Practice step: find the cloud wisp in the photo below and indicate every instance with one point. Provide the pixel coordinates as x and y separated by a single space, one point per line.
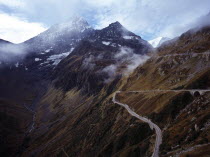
125 62
131 59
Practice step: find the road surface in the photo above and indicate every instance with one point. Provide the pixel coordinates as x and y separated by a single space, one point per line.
158 132
192 54
192 91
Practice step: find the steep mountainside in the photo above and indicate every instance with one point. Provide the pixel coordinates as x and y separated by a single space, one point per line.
81 84
171 88
76 86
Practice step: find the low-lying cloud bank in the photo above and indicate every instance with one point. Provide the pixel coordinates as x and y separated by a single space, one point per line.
134 60
177 29
11 52
125 57
202 21
126 61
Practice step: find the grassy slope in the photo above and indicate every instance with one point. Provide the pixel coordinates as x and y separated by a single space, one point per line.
175 72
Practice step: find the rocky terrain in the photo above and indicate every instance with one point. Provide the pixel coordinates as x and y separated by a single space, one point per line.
57 100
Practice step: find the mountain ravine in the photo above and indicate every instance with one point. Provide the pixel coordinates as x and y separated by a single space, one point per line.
58 94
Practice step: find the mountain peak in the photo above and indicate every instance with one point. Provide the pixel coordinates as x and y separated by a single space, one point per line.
66 33
75 23
77 20
116 25
117 30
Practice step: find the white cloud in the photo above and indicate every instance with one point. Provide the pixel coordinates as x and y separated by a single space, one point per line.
16 29
12 3
147 18
125 56
153 18
133 60
111 72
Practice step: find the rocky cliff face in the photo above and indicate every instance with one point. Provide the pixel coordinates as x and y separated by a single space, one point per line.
65 89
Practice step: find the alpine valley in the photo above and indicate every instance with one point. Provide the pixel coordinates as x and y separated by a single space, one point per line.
73 91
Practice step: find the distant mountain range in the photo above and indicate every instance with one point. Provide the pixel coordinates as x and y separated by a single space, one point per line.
48 48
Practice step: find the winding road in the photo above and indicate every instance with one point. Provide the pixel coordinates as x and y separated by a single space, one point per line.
192 91
152 125
191 54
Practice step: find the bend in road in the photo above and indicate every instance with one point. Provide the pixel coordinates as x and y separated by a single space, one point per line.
152 125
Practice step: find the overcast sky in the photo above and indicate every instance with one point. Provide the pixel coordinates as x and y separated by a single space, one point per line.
23 19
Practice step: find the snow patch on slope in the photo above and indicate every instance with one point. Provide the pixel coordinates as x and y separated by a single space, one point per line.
17 65
106 43
37 59
48 50
57 58
130 37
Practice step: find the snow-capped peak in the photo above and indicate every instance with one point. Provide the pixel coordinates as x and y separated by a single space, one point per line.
67 33
158 41
74 24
